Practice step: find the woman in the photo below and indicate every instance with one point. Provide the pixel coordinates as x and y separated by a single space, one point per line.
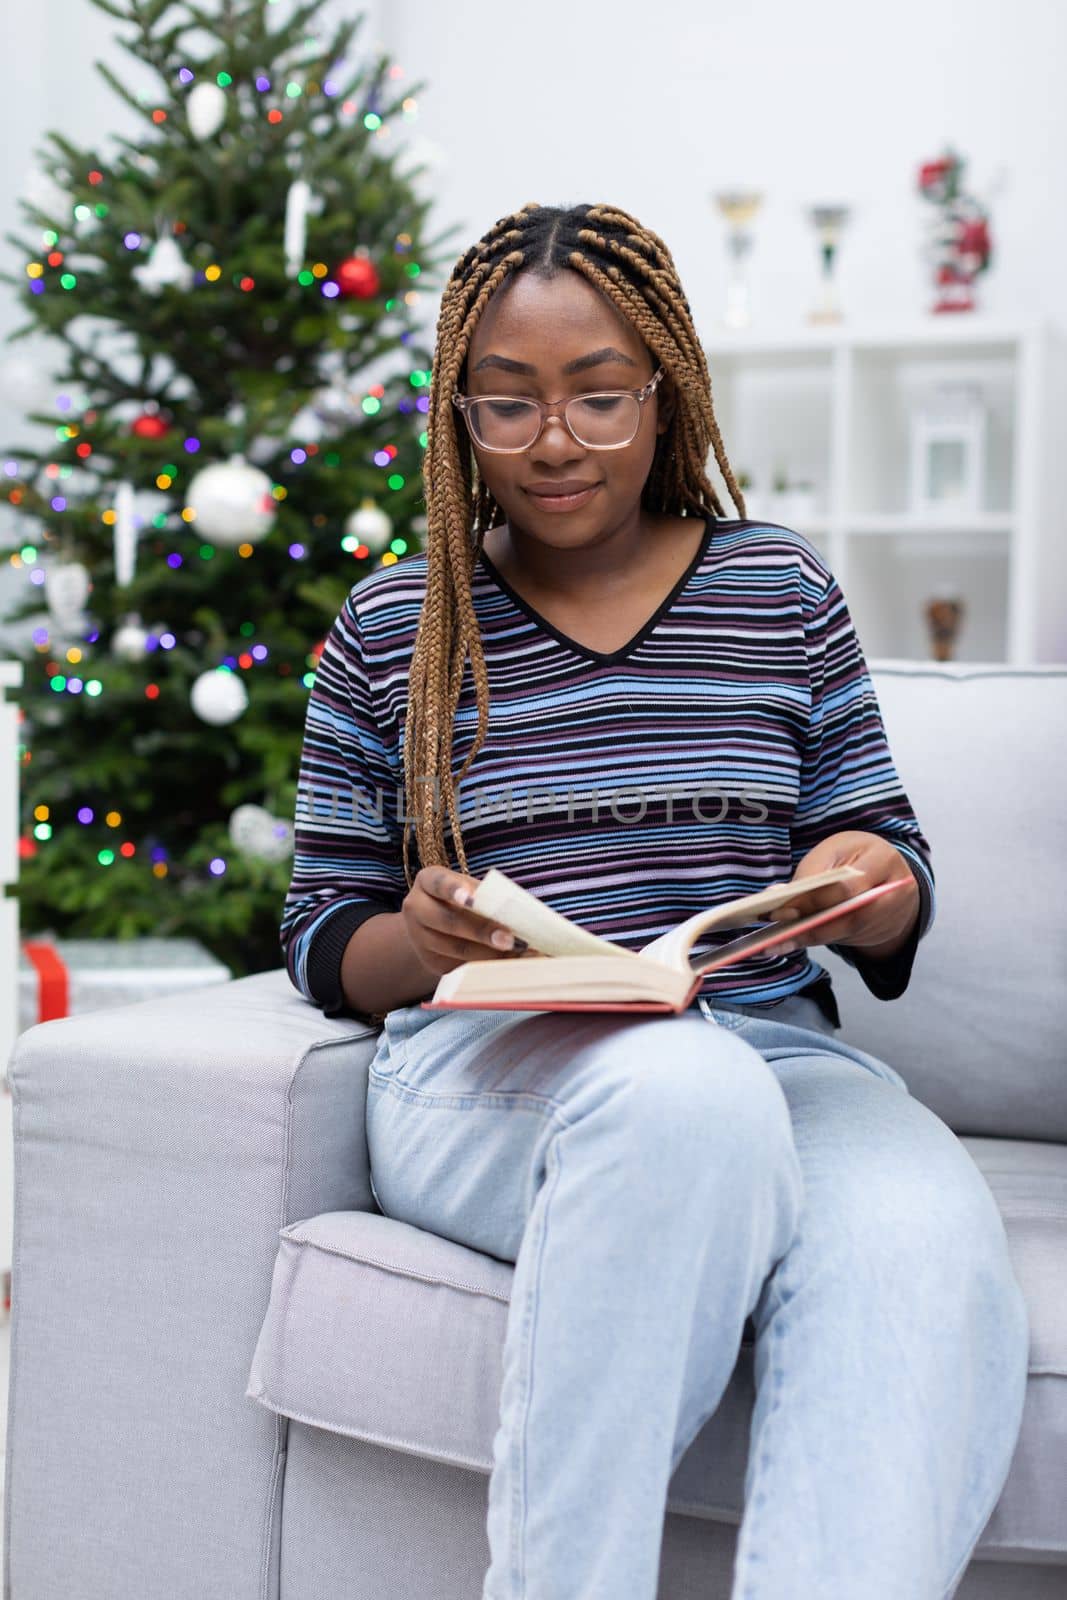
596 644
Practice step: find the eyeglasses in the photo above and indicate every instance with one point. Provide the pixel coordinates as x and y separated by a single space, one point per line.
608 420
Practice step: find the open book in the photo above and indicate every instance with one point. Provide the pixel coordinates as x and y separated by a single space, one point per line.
574 970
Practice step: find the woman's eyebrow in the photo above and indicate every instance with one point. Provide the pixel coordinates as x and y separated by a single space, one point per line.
594 359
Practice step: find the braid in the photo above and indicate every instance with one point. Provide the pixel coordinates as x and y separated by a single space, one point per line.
634 270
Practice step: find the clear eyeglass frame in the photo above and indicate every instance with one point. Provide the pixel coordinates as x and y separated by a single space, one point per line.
560 408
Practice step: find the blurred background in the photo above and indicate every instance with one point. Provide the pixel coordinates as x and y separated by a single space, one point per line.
654 110
221 255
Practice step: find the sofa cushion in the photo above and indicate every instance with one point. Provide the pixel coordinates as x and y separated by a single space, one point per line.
980 1034
378 1329
384 1332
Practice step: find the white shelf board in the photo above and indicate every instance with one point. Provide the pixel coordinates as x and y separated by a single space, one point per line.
907 522
963 329
965 669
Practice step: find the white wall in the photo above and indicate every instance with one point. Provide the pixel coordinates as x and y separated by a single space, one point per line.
654 106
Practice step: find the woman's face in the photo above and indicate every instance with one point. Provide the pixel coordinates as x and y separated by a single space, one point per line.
529 342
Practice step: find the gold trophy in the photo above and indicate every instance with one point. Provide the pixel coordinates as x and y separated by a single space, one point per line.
738 206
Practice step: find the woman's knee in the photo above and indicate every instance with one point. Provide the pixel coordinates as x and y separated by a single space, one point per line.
700 1098
931 1221
967 1245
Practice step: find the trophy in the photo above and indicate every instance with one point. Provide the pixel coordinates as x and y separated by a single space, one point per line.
738 207
828 222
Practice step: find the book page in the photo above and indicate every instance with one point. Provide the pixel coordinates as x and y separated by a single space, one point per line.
770 934
673 947
552 934
563 978
501 898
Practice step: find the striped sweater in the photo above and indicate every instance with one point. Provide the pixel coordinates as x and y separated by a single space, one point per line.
628 790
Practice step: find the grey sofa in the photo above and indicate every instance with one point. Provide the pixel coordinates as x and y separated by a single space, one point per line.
233 1378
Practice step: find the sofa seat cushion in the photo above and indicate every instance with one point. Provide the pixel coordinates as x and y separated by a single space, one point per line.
387 1333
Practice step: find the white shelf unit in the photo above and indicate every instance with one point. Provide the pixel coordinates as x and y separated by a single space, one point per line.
831 405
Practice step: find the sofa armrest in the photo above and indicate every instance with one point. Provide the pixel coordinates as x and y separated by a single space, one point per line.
159 1148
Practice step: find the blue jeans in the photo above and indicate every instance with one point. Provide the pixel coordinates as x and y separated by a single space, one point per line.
656 1181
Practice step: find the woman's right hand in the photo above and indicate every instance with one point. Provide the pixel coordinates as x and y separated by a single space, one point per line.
444 933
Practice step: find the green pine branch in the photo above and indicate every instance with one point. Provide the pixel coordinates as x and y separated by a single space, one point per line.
196 354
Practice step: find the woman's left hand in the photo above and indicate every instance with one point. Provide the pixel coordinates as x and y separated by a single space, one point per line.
881 928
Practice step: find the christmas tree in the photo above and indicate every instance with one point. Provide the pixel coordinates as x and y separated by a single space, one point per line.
240 394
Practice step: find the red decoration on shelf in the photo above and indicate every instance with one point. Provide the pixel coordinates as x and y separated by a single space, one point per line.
959 245
358 276
150 425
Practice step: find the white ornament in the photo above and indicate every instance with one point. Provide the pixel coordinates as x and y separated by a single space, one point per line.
233 502
125 535
165 268
257 834
206 110
130 642
296 210
339 403
370 526
218 696
66 588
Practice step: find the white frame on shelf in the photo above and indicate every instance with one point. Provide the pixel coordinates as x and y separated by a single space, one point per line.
1027 537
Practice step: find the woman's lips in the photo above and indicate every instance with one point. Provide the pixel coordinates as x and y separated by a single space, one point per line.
562 502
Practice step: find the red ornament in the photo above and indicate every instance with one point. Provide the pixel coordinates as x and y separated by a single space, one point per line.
358 276
932 174
150 425
973 240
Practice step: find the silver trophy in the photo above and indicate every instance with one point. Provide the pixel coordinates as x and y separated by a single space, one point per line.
829 222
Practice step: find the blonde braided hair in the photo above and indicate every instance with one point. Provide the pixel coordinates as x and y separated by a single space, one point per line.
633 269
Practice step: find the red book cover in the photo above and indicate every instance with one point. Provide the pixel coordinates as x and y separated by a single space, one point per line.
764 936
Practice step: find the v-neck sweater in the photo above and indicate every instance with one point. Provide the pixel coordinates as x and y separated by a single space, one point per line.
627 789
